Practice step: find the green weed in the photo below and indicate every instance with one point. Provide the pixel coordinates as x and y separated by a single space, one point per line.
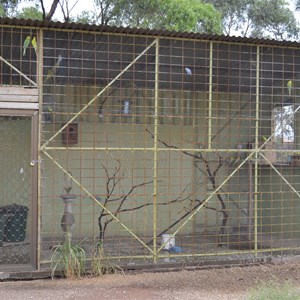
69 259
100 266
274 291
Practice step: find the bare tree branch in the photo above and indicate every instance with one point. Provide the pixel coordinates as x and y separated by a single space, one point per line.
52 10
43 9
212 178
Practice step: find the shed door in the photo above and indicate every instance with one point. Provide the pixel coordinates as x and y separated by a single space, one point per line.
18 188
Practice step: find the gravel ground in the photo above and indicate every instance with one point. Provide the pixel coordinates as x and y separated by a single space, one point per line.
224 283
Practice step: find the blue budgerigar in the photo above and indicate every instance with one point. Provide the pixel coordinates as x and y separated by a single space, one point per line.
175 249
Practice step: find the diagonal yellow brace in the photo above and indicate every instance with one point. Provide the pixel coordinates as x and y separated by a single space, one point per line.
253 151
283 178
18 71
96 201
209 197
99 94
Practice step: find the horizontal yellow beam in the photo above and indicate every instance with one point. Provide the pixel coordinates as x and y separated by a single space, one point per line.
228 253
193 150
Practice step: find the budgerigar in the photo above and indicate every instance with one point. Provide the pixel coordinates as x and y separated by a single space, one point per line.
188 71
264 139
26 44
175 249
289 87
52 72
34 44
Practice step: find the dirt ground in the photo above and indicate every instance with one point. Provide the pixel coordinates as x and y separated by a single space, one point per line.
222 283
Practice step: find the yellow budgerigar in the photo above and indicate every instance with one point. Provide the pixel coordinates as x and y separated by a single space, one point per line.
289 87
34 44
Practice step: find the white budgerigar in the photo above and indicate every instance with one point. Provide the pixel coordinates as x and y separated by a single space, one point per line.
188 71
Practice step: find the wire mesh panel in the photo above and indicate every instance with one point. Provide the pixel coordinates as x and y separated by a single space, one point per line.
97 107
163 149
15 216
18 57
167 150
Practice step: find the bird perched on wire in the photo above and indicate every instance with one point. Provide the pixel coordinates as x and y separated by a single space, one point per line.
188 71
52 72
34 43
289 87
264 139
26 44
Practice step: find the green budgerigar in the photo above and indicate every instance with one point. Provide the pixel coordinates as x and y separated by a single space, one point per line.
34 44
52 72
26 44
289 87
264 139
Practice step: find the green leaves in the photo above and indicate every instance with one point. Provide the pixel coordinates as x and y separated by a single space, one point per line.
190 15
68 258
178 15
30 12
258 18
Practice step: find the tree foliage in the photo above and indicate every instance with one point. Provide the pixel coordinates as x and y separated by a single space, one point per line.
189 15
7 7
257 18
36 9
30 12
179 15
249 18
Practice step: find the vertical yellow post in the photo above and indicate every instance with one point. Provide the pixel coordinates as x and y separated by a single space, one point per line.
256 147
210 94
40 95
155 146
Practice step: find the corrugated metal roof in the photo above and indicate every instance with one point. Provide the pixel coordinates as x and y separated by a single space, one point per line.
148 32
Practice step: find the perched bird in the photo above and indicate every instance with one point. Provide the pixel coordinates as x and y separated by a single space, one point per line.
188 71
239 155
289 87
34 43
52 72
26 44
59 60
175 249
264 139
49 108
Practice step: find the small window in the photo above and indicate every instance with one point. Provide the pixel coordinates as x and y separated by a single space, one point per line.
284 130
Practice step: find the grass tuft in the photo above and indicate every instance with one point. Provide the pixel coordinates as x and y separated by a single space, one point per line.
274 291
69 259
100 266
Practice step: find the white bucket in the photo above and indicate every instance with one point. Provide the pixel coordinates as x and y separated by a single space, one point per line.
169 240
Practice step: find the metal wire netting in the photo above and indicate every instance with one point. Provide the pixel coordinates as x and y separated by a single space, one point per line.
164 149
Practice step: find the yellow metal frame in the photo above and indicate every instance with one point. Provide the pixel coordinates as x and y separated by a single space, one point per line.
251 154
44 148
